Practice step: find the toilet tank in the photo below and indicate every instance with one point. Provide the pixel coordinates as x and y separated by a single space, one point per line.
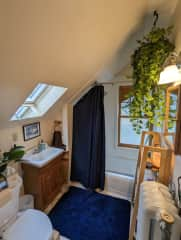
9 210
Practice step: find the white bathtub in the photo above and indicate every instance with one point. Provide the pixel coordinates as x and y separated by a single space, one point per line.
118 185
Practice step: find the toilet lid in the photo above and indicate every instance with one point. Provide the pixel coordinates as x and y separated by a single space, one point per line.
33 224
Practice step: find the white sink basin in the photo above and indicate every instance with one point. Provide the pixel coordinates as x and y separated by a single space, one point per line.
42 158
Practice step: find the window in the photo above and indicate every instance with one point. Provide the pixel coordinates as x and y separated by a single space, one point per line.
40 100
173 117
37 92
127 137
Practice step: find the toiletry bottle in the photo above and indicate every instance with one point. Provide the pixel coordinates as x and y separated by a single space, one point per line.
40 146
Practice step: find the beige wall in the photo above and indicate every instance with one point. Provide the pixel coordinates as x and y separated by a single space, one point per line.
58 42
177 27
11 132
14 135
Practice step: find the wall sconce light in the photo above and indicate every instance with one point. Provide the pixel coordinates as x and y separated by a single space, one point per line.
171 69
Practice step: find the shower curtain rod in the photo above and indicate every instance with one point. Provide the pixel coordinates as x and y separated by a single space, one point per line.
103 83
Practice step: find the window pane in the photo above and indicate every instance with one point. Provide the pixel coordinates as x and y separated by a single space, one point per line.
173 105
172 126
127 134
124 110
36 92
36 106
21 111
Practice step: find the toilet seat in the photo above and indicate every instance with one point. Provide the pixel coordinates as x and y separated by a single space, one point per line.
32 225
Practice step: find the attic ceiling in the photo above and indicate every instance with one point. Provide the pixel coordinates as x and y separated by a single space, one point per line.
66 42
119 64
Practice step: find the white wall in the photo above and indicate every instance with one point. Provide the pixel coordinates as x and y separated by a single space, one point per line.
118 159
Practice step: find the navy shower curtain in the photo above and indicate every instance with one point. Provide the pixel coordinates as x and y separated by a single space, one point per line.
88 150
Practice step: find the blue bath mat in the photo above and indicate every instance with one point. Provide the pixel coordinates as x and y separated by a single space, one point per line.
87 215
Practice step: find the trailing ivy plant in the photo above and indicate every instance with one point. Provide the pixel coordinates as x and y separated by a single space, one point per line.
147 99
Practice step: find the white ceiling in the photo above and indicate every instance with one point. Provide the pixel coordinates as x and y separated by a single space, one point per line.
66 43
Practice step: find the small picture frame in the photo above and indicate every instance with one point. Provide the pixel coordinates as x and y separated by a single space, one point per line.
31 131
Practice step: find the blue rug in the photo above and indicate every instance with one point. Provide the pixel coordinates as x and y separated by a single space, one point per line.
87 215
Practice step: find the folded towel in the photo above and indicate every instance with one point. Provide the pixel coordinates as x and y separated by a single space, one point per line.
5 197
57 140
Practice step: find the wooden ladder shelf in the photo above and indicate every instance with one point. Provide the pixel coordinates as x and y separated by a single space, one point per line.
164 156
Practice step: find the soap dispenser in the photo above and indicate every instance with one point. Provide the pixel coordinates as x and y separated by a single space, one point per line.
42 145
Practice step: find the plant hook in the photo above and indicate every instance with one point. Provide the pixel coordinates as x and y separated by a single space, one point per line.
156 16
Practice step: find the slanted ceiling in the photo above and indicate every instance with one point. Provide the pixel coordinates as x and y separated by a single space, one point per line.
61 42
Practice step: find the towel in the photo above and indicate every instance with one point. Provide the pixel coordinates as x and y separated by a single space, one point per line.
57 140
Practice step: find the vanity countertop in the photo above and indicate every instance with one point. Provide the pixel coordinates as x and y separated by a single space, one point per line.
42 158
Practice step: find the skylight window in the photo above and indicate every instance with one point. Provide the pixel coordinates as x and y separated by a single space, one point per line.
39 89
21 111
40 100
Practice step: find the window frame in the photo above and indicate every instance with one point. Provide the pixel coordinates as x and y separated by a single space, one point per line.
123 90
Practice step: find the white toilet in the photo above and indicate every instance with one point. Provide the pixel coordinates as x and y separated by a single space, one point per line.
29 225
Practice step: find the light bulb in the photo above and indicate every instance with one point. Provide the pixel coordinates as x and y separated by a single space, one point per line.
170 74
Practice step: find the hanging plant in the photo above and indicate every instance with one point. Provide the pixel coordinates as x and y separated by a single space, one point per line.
147 99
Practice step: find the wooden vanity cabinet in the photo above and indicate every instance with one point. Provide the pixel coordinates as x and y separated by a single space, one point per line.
46 183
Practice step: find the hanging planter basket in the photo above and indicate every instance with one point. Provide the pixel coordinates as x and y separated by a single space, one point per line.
147 99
